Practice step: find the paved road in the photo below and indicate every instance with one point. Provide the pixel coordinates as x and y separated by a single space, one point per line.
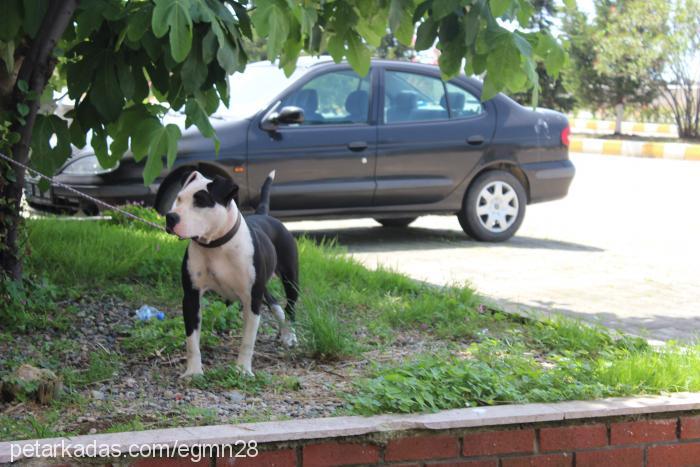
622 249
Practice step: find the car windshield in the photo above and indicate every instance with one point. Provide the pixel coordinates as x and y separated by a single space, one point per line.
255 88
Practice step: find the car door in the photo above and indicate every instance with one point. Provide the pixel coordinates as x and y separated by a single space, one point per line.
328 161
431 135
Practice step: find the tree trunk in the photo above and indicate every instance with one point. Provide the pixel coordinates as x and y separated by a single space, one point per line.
36 69
619 114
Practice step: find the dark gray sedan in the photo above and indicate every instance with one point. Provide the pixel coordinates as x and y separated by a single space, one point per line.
393 145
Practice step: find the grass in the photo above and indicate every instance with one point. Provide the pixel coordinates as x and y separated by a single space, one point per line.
472 356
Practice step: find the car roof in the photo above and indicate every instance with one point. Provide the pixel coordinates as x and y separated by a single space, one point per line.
314 62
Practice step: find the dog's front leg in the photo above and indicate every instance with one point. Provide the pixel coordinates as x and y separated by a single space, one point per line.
251 321
190 314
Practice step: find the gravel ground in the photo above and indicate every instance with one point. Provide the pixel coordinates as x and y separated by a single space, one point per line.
149 387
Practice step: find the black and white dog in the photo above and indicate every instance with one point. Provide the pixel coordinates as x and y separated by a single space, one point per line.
233 256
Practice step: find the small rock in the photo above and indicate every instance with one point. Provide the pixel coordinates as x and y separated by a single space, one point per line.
235 396
92 431
130 382
97 395
130 395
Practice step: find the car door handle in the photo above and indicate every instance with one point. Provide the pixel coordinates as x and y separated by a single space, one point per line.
476 140
357 146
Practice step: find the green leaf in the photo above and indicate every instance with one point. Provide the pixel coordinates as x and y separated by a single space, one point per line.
7 55
105 93
358 55
442 8
279 30
522 44
126 78
23 86
10 20
499 7
33 14
471 25
209 47
48 157
194 71
77 134
142 135
426 35
137 24
197 115
153 168
88 21
336 47
98 141
174 15
22 108
163 142
401 20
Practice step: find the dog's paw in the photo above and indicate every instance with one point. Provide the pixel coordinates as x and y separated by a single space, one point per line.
288 338
245 368
190 373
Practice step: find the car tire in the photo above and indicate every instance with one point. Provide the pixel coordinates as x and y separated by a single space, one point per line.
167 198
494 207
396 222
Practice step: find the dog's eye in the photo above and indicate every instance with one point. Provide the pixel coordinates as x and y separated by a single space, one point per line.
202 199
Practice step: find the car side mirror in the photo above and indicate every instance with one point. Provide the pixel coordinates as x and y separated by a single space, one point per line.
286 116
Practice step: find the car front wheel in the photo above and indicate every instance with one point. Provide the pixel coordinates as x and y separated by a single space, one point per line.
494 207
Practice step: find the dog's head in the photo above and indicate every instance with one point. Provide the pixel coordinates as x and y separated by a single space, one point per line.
204 208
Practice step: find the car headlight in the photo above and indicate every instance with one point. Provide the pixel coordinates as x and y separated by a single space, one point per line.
88 165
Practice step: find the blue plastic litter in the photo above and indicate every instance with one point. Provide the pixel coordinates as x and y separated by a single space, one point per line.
146 312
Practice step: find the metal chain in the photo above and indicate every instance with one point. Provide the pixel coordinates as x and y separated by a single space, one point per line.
81 194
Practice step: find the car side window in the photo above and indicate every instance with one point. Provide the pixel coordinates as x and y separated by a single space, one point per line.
333 98
410 97
463 104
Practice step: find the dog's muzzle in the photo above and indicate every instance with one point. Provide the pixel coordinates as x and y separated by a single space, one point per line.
171 220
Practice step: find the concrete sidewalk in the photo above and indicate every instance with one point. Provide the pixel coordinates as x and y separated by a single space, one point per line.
613 147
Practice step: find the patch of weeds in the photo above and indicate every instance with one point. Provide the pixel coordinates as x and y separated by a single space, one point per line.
324 336
486 373
30 426
27 305
231 377
134 424
101 367
286 384
202 416
150 214
670 368
561 334
165 337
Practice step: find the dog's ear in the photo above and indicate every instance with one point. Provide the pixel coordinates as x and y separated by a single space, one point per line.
222 189
188 176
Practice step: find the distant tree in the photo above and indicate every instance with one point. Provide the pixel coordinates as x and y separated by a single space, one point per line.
552 92
391 48
618 58
681 90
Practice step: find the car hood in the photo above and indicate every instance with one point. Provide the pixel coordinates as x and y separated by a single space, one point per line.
230 131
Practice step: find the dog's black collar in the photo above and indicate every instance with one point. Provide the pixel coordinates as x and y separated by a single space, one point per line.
222 240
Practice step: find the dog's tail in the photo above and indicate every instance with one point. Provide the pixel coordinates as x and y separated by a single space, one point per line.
264 204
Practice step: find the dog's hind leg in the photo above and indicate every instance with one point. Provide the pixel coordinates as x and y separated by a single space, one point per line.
286 332
251 321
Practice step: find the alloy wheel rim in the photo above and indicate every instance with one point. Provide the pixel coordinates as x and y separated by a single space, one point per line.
497 206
